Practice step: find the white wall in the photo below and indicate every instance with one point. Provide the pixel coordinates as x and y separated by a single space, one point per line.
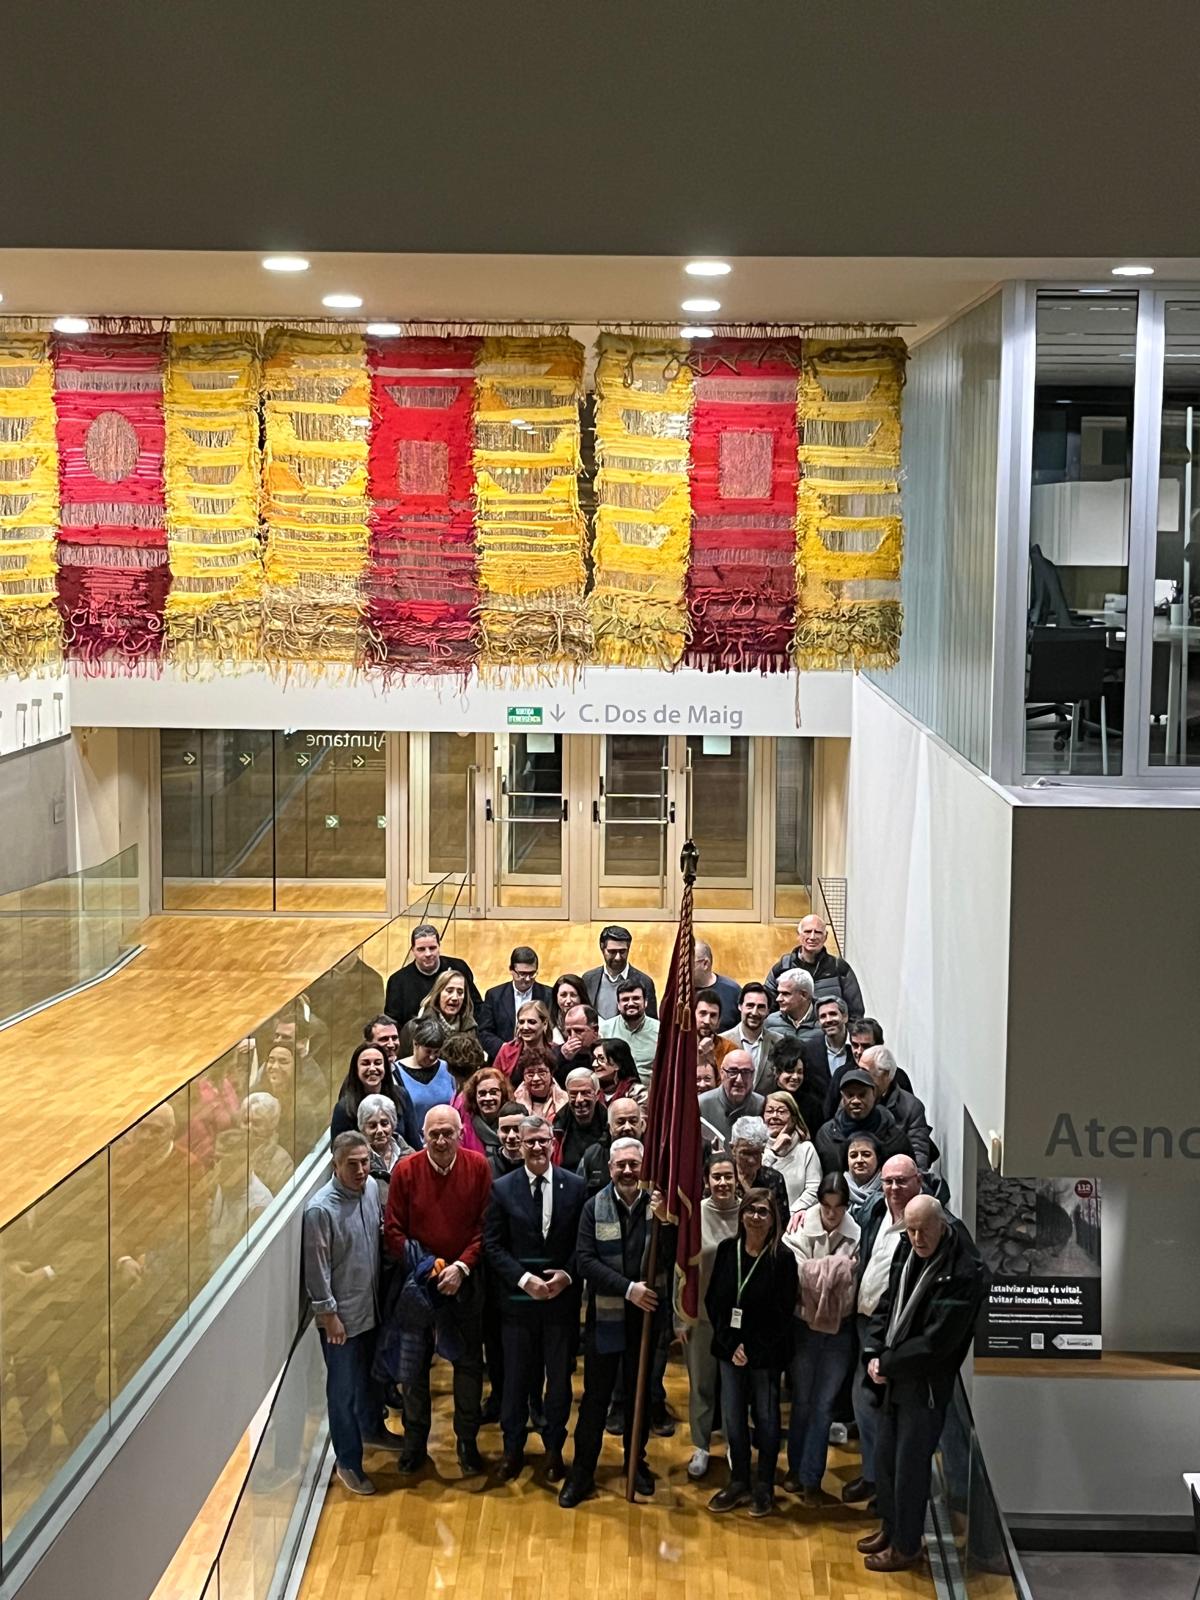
600 700
18 691
928 862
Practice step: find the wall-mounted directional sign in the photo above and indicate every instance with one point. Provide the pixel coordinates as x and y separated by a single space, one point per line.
358 761
332 821
381 821
303 760
189 758
245 758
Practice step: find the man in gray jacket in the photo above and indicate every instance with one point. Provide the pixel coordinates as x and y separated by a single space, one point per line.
908 1111
342 1226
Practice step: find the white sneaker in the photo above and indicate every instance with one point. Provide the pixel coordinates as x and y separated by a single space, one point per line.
698 1465
356 1482
838 1433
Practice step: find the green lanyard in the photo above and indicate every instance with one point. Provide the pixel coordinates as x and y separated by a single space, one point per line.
742 1282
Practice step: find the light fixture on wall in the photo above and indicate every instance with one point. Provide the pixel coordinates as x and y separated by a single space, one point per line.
693 330
700 306
284 264
342 302
384 330
708 269
71 325
1133 272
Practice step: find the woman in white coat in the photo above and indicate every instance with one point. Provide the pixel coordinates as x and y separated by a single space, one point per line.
791 1151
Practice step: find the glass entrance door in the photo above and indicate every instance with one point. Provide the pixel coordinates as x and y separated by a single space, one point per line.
634 865
720 772
526 812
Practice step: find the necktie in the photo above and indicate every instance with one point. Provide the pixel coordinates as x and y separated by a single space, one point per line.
539 1184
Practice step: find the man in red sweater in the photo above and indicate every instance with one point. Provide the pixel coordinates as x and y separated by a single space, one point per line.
437 1198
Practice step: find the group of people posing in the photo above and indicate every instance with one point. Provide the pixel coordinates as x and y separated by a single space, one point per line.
487 1205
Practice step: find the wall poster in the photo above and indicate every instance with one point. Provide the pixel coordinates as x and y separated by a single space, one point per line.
1040 1238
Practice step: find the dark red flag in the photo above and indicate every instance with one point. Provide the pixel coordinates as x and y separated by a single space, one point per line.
673 1159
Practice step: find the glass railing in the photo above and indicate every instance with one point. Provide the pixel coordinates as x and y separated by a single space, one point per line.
60 933
101 1278
972 1545
263 1536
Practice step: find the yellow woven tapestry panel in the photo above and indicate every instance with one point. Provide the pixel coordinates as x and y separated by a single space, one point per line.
849 544
530 529
316 418
213 481
30 630
637 606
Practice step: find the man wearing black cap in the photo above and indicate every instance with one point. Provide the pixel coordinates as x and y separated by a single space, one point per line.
859 1113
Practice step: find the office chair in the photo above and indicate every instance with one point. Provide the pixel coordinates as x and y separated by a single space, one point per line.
1066 669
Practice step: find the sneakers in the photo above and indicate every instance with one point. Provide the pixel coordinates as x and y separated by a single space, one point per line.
730 1497
762 1502
356 1482
698 1465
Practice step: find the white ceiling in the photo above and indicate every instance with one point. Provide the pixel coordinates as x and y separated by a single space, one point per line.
582 290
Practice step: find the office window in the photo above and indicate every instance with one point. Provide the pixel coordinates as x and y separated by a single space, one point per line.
1079 520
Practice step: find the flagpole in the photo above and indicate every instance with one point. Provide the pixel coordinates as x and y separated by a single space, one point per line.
688 862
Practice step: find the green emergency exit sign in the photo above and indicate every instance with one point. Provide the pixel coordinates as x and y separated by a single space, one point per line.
524 716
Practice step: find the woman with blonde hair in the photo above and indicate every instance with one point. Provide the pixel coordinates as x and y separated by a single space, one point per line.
790 1150
448 1003
533 1040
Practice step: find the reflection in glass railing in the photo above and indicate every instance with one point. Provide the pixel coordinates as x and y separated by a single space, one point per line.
261 1540
60 933
102 1277
974 1548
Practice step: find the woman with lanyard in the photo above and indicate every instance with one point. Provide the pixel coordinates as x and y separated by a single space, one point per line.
750 1299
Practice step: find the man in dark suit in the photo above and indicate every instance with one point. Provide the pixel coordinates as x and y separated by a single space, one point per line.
409 984
497 1017
602 981
529 1236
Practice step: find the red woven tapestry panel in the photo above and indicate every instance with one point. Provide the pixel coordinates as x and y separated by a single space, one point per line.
741 588
113 575
422 582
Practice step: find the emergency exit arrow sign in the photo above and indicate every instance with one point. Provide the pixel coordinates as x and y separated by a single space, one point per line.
302 760
245 759
358 761
189 758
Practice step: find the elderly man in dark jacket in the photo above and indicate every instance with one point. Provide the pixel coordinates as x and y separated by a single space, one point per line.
860 1113
829 973
914 1345
908 1111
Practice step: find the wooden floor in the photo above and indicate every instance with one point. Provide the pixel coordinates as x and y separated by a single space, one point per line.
199 986
471 1538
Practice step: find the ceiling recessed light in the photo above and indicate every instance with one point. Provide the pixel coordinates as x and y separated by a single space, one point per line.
384 330
284 264
71 325
342 302
1133 272
1093 291
701 306
695 331
708 269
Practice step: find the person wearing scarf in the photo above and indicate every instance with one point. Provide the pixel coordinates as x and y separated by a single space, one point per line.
864 1173
915 1344
377 1124
859 1112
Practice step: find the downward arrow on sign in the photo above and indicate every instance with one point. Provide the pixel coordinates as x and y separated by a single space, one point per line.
558 713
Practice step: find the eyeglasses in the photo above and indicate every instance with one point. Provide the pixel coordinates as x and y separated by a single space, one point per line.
761 1212
537 1143
737 1072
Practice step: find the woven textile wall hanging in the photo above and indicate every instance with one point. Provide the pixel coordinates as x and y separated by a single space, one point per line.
30 628
112 545
317 414
643 511
212 485
529 526
741 587
850 534
422 583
